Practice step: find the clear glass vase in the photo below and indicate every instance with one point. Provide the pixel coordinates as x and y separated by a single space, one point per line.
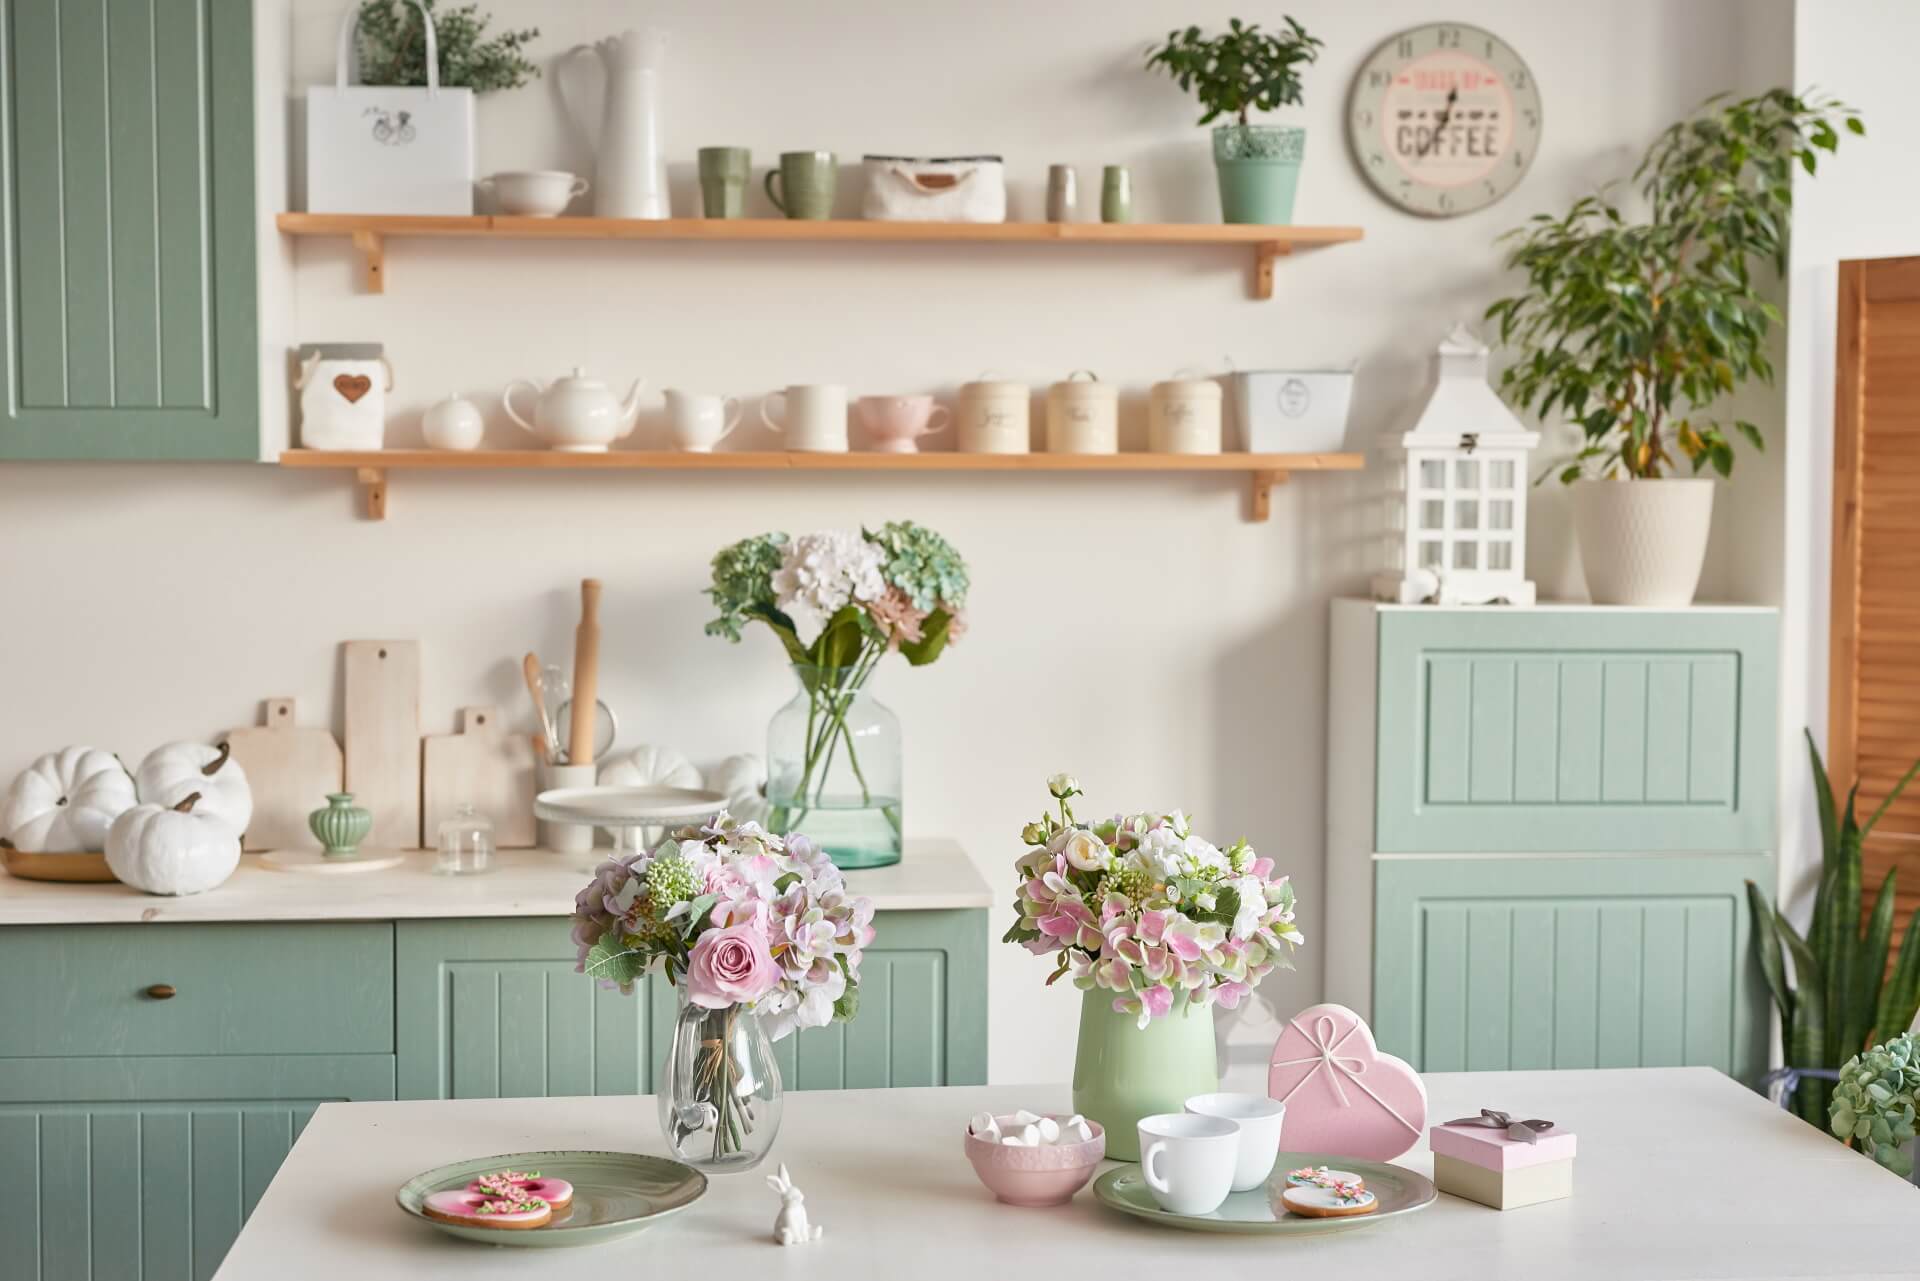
720 1094
833 768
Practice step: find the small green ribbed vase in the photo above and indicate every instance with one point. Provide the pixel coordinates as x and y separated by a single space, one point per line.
340 825
1123 1072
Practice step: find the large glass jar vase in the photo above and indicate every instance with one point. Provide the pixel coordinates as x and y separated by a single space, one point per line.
833 768
719 1094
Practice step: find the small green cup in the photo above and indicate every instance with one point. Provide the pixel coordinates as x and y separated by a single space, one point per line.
806 180
723 180
1116 194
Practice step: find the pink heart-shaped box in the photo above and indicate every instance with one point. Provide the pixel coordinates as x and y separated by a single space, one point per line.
1343 1096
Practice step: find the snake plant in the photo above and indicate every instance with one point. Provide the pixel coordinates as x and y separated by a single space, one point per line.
1842 998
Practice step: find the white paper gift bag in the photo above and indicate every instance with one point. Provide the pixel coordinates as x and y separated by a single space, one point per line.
389 149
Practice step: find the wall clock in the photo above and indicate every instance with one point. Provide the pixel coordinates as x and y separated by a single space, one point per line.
1444 119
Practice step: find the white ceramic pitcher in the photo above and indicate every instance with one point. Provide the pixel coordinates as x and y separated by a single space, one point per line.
630 167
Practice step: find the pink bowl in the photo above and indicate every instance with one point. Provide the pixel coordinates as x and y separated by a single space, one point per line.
1047 1175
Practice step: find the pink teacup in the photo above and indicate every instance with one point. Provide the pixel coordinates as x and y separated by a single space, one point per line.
1046 1175
895 423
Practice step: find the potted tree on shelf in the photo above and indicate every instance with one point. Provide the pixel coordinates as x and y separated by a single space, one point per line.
1634 328
1233 74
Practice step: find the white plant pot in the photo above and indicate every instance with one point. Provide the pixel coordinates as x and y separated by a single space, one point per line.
1642 542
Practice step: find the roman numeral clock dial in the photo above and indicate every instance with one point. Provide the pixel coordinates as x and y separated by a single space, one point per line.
1444 119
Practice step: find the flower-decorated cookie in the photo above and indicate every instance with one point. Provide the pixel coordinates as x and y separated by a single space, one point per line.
1338 1199
1319 1176
557 1193
478 1210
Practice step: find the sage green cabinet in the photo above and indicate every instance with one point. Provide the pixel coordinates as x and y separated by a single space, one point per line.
128 311
494 1009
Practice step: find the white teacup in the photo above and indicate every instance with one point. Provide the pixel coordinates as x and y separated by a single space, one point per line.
1188 1161
1259 1119
534 193
813 417
699 420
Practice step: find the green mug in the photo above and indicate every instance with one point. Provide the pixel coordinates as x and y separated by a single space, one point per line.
723 180
806 180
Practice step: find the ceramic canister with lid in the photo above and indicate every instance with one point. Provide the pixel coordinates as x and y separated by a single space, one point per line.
993 417
1183 416
1083 415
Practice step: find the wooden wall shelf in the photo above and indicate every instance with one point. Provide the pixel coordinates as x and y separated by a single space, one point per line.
370 232
370 469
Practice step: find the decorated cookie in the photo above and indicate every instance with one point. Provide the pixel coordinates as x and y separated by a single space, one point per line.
1337 1200
478 1210
557 1193
1319 1176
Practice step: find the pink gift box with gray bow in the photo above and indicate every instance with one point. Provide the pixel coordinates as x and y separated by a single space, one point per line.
1502 1161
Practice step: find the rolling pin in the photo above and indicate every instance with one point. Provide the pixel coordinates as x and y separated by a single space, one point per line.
586 674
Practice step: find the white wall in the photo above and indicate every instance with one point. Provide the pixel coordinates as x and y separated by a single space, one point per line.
1136 631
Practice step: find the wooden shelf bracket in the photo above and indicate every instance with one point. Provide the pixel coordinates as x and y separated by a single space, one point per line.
373 254
373 491
1264 256
1263 483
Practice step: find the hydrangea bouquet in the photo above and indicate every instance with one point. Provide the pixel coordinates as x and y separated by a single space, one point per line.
1141 907
740 920
839 602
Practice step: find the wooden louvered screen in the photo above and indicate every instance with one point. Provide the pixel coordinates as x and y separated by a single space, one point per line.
1874 656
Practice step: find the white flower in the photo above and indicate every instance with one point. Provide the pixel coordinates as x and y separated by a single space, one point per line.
1253 906
1062 786
820 573
1160 850
1203 855
1085 851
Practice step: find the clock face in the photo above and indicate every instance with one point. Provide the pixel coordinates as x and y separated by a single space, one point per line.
1444 119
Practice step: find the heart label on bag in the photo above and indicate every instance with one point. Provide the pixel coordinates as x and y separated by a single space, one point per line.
353 386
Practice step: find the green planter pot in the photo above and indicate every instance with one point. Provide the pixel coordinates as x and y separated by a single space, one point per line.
340 825
1259 171
1122 1072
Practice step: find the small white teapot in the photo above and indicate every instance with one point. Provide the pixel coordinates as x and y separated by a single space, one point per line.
576 414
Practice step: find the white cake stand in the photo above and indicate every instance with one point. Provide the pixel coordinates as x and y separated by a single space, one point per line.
635 816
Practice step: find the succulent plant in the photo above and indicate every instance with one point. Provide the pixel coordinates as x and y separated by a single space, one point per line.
1873 1103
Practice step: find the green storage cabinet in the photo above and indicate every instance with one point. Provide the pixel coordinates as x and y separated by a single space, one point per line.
128 313
494 1009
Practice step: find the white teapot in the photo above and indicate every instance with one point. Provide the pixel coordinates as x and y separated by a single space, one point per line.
576 414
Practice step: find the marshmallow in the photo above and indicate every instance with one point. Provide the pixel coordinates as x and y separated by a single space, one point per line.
1024 1117
1030 1136
1077 1129
1049 1129
1015 1141
984 1126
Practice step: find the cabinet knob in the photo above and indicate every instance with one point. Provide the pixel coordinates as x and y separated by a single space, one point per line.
161 991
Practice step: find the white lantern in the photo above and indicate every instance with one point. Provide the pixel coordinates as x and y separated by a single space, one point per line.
1460 492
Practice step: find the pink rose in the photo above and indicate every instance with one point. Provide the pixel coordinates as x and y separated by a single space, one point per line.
730 967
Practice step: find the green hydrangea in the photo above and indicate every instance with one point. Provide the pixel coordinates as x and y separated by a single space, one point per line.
1124 879
922 564
670 880
1874 1101
743 582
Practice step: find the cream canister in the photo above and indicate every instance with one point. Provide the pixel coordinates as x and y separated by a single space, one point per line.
1183 416
1083 415
993 417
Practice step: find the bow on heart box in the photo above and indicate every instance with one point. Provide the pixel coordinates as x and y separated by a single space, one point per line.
1344 1097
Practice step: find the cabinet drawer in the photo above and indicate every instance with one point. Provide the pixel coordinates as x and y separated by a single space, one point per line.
82 990
1543 731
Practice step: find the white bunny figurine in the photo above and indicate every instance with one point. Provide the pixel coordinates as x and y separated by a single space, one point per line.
791 1227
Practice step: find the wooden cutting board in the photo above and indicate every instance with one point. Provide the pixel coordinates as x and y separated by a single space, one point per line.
383 738
483 766
290 770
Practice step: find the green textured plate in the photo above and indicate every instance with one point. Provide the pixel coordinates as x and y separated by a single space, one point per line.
615 1194
1399 1191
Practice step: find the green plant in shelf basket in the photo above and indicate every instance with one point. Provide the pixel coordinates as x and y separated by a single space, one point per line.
392 39
1873 1103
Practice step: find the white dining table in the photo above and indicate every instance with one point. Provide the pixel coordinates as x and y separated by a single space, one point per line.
1681 1173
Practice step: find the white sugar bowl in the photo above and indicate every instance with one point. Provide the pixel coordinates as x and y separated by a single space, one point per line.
1083 415
453 424
1183 416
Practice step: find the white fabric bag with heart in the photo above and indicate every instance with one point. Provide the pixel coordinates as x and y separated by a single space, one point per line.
388 149
343 396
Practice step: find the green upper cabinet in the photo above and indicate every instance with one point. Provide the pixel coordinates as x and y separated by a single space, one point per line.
130 326
1560 731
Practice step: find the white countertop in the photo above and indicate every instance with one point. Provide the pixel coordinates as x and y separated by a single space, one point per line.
932 874
1681 1173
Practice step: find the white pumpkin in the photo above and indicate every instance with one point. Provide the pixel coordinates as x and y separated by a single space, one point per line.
172 849
648 766
66 801
172 773
743 781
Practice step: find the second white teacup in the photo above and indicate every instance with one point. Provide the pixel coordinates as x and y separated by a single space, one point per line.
700 420
1259 1119
1188 1161
813 417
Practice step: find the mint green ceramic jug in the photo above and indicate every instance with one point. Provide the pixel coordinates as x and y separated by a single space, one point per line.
1122 1072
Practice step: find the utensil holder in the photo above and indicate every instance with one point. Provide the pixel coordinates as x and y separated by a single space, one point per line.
567 838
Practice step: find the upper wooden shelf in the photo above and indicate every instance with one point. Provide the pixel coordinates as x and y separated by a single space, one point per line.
369 233
371 467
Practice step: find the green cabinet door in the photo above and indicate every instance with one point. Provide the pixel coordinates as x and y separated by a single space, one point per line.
494 1009
1495 964
154 1189
128 318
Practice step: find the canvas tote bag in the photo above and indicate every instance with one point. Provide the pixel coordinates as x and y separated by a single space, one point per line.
387 149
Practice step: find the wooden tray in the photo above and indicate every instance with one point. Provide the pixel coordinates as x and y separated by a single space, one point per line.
56 867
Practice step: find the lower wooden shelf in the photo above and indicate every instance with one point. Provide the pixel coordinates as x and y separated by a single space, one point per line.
370 468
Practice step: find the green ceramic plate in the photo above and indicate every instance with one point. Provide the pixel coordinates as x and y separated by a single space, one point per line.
615 1194
1400 1191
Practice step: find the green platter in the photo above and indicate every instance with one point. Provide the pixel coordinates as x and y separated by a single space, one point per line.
615 1194
1400 1191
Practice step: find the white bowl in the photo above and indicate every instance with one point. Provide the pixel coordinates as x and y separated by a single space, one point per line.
534 193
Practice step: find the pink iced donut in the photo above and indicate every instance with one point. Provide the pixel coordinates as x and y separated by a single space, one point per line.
557 1193
476 1210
